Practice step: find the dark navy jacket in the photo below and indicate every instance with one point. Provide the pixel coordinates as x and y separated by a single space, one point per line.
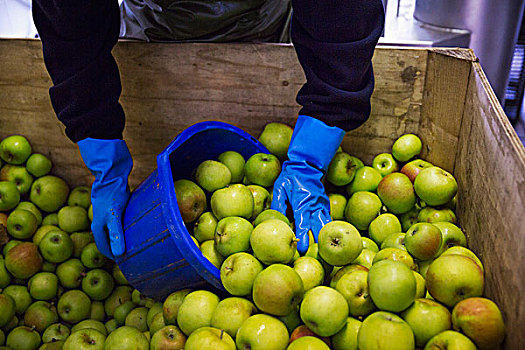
334 40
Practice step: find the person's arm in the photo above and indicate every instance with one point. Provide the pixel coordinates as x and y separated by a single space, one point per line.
334 41
77 39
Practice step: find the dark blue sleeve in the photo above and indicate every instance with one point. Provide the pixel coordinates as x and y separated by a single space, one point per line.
335 42
77 39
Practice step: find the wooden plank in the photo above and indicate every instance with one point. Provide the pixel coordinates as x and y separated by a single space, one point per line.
490 169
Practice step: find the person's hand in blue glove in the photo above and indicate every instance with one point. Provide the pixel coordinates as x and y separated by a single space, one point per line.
311 149
110 162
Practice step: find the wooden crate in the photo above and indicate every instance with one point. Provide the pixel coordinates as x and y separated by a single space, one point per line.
440 94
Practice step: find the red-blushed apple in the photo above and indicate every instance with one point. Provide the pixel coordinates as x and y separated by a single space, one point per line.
276 138
282 278
190 199
423 241
450 340
5 276
262 169
310 270
234 200
406 147
479 319
339 243
212 175
261 199
458 250
238 273
385 331
171 305
413 168
434 215
342 168
196 311
303 331
346 338
40 315
392 285
395 240
362 208
369 244
427 318
395 254
235 163
420 285
383 226
168 338
23 260
435 186
343 271
385 164
262 332
8 307
453 278
354 288
324 310
273 241
366 258
337 206
232 235
308 343
365 179
396 191
452 236
231 313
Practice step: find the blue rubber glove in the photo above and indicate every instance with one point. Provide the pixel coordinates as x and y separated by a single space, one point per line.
311 149
110 162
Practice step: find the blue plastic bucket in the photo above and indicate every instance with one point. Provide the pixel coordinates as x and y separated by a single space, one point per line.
160 254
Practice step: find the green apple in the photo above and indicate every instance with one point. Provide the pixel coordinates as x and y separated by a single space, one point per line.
234 200
396 191
324 310
52 219
284 279
433 215
406 147
365 179
308 343
337 206
85 339
261 199
126 338
395 240
366 258
479 319
80 196
196 311
310 270
339 243
204 227
169 337
354 288
14 322
118 276
20 295
409 218
40 315
70 273
420 285
38 165
423 267
395 254
210 252
369 244
427 318
138 298
111 325
74 306
270 214
91 257
383 226
57 345
385 164
292 320
453 278
90 213
231 313
262 169
235 163
385 331
273 241
392 285
73 219
97 312
55 332
5 276
43 286
32 208
423 241
122 311
18 175
262 332
98 284
435 186
191 200
170 308
336 275
23 338
238 273
23 260
212 175
15 149
56 246
276 138
21 224
49 193
80 241
9 195
137 318
346 338
233 235
157 324
458 250
362 208
8 307
342 169
450 340
452 236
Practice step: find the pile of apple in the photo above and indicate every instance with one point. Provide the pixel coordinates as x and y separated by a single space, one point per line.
391 271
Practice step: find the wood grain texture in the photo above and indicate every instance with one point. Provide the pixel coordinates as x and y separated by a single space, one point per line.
490 169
